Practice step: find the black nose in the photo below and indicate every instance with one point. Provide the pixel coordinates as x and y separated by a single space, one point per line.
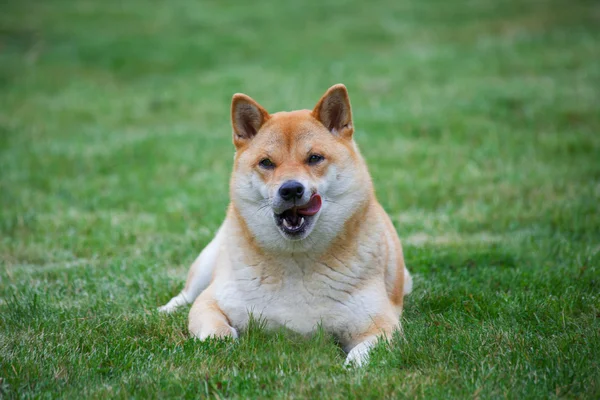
291 190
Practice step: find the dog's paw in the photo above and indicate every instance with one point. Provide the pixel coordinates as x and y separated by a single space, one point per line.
359 355
167 308
173 304
221 332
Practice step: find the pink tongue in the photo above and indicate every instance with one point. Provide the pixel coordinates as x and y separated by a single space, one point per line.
313 206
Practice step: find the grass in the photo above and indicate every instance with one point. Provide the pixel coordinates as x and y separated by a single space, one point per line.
480 122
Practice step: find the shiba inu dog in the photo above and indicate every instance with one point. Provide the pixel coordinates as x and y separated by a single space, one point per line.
305 241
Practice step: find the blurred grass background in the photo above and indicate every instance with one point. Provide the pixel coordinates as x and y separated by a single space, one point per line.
480 121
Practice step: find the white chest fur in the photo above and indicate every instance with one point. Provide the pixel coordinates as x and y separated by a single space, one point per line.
301 293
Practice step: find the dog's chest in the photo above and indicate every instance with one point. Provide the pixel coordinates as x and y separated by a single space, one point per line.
299 295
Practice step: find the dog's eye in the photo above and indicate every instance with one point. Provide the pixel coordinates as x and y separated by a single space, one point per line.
315 159
266 163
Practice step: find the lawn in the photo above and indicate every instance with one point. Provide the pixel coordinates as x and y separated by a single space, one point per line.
480 122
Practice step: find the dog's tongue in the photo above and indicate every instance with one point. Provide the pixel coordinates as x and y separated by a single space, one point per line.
313 206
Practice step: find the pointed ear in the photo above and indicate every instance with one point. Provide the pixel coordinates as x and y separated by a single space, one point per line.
247 116
334 111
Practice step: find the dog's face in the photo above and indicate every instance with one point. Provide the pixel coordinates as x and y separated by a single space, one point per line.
297 175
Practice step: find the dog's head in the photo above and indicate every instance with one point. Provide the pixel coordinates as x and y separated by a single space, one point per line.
298 176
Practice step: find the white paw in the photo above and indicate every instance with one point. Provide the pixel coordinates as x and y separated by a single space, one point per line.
167 308
173 304
220 333
359 355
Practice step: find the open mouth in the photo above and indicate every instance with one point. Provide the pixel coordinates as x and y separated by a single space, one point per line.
295 220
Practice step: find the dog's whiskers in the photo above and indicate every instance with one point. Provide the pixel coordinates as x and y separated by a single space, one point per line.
266 203
336 203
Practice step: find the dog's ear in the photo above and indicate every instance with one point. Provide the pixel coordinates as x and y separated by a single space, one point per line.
247 116
334 111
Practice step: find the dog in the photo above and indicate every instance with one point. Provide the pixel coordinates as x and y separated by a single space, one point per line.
305 242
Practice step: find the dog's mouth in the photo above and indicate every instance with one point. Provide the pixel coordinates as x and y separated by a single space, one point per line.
295 221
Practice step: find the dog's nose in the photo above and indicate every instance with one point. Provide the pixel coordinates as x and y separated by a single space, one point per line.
291 190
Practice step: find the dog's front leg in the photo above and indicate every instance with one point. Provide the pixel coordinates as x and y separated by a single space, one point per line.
360 345
198 278
359 354
206 319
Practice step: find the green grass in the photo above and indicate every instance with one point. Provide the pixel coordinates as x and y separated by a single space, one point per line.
480 121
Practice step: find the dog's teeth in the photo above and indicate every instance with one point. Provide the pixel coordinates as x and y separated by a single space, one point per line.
295 224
